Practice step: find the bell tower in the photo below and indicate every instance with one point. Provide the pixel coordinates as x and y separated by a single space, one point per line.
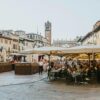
48 31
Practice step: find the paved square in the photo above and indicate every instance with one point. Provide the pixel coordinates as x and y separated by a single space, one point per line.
35 87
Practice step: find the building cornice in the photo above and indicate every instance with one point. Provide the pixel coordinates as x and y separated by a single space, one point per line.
90 33
8 38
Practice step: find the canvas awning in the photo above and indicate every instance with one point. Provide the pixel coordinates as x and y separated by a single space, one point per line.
17 54
45 50
83 49
63 51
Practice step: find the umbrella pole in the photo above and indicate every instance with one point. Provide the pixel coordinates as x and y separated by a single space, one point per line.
93 56
93 59
89 59
49 60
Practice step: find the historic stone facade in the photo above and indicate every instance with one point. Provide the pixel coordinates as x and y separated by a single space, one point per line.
48 32
64 43
9 43
92 37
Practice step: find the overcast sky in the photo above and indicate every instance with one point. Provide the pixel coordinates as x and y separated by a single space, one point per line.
69 18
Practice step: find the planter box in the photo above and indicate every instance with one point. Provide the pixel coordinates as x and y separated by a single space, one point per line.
5 67
26 68
34 68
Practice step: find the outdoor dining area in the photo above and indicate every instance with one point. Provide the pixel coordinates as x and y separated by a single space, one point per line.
80 64
75 71
74 68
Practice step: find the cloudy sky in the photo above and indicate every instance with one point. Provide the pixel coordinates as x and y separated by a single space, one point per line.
69 18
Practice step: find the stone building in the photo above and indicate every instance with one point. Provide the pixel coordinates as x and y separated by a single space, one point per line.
20 33
39 40
17 41
9 44
48 32
25 44
64 43
93 37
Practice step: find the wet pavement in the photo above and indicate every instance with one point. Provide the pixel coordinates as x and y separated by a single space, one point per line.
35 87
9 78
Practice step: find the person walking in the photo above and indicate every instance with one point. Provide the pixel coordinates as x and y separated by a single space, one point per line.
45 65
40 67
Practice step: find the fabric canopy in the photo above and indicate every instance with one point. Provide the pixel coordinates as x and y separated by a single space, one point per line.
83 49
45 50
17 54
63 51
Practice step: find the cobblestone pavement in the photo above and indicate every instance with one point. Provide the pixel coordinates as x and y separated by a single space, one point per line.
42 89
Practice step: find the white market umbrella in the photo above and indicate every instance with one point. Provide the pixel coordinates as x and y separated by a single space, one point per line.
62 50
17 54
45 50
88 49
83 49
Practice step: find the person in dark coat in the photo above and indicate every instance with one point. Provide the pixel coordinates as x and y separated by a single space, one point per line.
98 73
40 66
